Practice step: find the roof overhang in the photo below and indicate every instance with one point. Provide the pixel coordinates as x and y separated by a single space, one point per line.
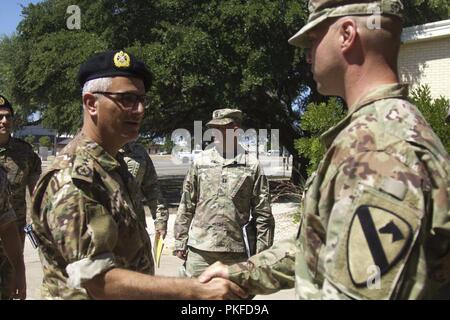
425 32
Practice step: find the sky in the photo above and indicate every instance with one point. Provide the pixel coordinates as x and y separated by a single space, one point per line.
11 14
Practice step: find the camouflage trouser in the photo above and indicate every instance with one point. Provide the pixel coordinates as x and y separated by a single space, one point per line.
6 269
6 274
198 260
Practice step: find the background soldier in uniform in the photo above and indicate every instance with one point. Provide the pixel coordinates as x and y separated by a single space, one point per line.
375 214
224 186
14 288
141 167
87 209
23 167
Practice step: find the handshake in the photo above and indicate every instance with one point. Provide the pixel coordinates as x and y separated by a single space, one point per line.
214 280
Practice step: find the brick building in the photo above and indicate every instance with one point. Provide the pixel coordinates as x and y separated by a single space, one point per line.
425 57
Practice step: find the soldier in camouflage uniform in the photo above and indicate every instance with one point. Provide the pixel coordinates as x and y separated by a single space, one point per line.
23 167
220 192
87 208
141 167
14 288
375 213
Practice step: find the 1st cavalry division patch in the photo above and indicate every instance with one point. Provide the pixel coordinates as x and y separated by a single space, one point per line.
377 237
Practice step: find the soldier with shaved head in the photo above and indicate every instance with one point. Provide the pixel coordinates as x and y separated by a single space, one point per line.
375 214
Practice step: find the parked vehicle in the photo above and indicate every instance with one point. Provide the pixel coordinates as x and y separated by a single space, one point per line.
273 153
184 156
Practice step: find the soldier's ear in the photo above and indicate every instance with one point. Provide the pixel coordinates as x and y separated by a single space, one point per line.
348 34
90 103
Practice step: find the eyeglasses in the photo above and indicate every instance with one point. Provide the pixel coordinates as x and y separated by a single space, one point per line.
8 117
128 100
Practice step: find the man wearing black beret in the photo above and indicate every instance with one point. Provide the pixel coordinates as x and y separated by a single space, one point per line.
87 209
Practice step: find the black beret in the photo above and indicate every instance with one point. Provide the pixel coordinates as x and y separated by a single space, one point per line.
114 64
4 103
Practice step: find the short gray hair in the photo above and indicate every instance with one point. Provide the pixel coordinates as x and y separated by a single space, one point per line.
100 84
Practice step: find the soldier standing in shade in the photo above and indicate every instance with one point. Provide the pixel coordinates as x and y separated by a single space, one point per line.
224 186
23 167
15 288
375 218
87 209
141 167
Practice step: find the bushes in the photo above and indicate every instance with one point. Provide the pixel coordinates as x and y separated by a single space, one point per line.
317 119
320 117
434 111
30 139
45 142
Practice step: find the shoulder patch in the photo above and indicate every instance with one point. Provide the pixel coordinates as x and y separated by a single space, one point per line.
377 237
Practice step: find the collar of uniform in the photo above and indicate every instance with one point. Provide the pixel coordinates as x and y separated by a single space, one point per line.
240 158
107 161
385 91
6 146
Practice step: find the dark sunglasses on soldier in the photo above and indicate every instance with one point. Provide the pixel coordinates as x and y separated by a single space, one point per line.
8 117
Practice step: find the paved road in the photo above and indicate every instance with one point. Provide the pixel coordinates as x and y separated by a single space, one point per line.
164 165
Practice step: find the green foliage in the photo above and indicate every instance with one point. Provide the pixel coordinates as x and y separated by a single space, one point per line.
144 141
434 111
30 139
45 142
317 119
204 54
320 117
168 145
312 149
425 11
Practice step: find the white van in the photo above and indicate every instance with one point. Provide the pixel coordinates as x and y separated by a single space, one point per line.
273 153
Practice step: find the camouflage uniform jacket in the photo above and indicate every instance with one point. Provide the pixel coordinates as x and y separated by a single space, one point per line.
141 167
7 214
218 197
88 217
23 166
375 217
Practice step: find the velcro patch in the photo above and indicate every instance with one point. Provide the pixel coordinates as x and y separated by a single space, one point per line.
377 237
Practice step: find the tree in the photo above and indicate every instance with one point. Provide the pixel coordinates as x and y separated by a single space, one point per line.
45 141
204 55
30 139
168 145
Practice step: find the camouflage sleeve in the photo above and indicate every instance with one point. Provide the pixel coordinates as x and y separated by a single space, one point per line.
154 198
186 209
83 232
262 212
7 214
35 170
373 232
267 272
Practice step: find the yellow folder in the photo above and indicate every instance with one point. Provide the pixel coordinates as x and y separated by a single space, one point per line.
159 245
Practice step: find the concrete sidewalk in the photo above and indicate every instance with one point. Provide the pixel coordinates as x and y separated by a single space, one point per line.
284 228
